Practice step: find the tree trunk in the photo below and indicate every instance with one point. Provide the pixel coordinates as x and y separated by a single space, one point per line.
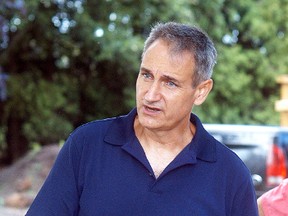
17 144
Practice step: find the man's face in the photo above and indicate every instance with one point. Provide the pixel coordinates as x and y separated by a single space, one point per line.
164 92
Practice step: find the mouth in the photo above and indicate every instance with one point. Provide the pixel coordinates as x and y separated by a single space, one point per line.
151 109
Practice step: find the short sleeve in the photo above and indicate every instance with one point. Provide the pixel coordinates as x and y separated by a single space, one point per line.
60 194
245 202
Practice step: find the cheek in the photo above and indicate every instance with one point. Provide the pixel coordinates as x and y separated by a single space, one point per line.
141 87
182 102
139 90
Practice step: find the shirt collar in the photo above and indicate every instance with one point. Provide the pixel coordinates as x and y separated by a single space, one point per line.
121 130
202 146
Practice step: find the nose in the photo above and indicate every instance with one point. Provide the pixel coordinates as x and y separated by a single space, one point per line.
153 93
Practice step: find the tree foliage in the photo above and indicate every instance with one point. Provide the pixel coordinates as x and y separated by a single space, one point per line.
72 61
252 47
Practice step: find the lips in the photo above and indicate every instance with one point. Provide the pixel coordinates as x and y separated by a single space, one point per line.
151 109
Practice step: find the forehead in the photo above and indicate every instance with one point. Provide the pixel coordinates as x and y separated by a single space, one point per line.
160 57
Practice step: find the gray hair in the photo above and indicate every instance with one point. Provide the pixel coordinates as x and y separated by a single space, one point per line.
180 38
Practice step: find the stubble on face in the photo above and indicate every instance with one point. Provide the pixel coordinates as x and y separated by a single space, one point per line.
167 105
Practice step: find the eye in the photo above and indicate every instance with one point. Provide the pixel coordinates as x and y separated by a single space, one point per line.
146 75
171 84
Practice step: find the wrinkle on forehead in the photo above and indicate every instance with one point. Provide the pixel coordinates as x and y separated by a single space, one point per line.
180 58
176 58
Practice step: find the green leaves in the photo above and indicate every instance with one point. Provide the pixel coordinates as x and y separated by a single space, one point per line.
71 61
43 105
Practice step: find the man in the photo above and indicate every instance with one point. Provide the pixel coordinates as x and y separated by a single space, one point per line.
157 160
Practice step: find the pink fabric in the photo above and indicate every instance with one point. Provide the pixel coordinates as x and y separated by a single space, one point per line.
275 201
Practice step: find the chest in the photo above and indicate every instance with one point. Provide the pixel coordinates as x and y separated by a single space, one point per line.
123 185
159 160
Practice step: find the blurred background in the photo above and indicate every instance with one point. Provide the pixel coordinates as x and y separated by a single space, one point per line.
66 62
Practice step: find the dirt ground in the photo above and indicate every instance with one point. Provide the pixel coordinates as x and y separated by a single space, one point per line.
20 182
4 211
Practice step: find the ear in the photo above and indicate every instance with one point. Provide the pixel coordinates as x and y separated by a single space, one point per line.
202 91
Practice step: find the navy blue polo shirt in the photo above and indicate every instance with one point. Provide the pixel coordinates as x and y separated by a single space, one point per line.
102 170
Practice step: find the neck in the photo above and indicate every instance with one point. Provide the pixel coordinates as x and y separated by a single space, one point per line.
176 138
161 147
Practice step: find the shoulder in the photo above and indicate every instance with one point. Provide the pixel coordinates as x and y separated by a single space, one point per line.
275 200
212 150
230 159
86 137
93 128
98 128
114 130
225 159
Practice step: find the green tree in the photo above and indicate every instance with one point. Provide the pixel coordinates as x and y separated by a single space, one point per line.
251 38
72 61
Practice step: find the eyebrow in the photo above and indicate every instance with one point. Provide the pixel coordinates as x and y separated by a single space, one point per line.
171 79
145 69
165 76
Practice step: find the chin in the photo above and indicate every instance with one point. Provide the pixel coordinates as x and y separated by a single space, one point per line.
148 123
